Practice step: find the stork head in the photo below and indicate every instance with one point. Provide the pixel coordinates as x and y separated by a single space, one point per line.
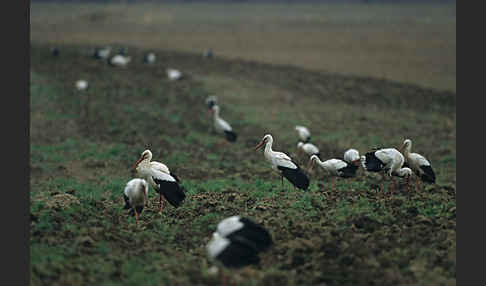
407 145
146 155
312 160
404 172
265 139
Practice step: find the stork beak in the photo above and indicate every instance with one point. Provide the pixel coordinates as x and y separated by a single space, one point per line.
401 148
259 145
311 164
138 162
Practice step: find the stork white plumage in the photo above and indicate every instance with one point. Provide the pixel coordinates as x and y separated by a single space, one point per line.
237 242
283 164
335 167
173 74
161 179
418 163
135 196
81 84
386 160
308 148
149 58
221 126
102 53
119 60
304 133
351 156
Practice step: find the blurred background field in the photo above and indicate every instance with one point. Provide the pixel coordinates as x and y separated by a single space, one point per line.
407 42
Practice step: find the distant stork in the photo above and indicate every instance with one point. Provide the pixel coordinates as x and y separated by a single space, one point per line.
237 242
135 196
102 53
308 148
386 160
418 163
161 179
149 58
81 84
208 53
173 74
119 60
55 51
221 126
304 133
335 167
283 164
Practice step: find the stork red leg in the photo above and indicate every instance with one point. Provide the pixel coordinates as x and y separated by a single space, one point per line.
333 178
382 182
160 202
136 215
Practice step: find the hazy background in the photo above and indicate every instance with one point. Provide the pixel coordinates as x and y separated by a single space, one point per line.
405 41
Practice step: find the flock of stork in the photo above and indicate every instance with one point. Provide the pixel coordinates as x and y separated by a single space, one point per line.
238 240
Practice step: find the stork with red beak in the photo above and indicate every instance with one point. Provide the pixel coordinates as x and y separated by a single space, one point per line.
221 126
283 164
161 179
135 195
418 163
335 167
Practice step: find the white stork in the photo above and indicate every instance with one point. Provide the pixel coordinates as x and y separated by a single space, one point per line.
237 242
283 164
161 179
149 58
335 167
102 53
351 156
173 74
119 60
135 195
221 126
386 160
308 148
81 84
418 163
304 133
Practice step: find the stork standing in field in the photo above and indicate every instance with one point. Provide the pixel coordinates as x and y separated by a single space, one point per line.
237 242
221 126
335 167
119 60
102 53
161 179
283 164
173 74
308 148
135 196
304 133
418 163
81 84
386 160
149 58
